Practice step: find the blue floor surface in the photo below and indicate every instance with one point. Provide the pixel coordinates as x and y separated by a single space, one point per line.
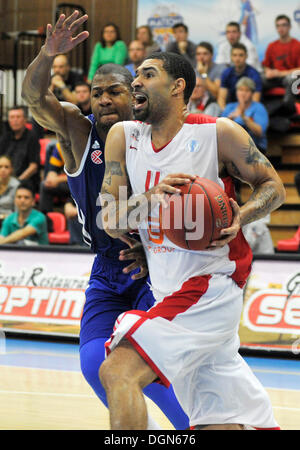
272 372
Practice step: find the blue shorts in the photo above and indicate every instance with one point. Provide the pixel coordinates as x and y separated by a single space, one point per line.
111 292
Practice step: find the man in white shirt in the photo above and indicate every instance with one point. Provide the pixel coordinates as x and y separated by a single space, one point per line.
233 36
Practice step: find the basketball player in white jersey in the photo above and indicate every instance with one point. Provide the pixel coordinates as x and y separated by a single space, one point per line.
190 336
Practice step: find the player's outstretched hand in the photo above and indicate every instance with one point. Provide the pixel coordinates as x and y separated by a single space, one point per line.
228 234
134 252
61 39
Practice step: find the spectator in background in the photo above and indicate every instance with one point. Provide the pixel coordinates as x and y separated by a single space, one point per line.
83 97
234 36
64 79
182 45
233 74
74 226
55 183
110 49
248 113
22 146
282 61
208 70
137 54
201 100
8 186
26 226
144 35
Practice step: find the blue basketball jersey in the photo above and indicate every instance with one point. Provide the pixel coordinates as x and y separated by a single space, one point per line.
85 186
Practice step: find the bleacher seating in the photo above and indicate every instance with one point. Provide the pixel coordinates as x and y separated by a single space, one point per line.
60 234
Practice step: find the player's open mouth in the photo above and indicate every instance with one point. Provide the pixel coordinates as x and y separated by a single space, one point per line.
140 100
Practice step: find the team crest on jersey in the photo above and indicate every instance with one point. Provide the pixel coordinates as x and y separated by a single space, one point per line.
135 135
96 145
95 157
193 146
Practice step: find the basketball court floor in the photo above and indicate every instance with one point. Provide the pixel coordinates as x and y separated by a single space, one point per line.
42 388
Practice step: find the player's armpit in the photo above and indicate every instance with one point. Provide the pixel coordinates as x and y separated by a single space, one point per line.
244 161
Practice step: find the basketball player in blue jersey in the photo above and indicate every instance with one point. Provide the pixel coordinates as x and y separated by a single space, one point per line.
113 287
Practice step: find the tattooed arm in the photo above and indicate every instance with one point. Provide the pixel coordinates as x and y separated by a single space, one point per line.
244 161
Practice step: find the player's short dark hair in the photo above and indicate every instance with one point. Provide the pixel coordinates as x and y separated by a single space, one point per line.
26 185
234 24
111 69
177 66
206 45
283 17
179 25
239 46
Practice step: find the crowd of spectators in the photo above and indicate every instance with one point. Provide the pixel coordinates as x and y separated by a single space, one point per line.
231 82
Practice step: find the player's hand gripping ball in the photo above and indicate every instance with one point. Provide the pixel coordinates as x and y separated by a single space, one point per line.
195 218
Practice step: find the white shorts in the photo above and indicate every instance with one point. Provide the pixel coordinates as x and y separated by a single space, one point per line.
190 340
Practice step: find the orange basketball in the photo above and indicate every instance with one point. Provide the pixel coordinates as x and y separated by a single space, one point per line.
195 218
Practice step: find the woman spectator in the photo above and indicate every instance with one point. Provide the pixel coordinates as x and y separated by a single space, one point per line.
251 115
8 186
144 35
110 49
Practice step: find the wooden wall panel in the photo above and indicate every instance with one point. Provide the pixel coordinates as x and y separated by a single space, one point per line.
20 15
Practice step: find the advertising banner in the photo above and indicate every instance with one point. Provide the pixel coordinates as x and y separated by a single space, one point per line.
207 20
43 292
271 313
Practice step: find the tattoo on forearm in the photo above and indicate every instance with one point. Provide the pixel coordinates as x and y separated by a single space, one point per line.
265 199
254 156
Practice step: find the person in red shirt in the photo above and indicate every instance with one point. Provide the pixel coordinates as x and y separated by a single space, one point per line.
282 60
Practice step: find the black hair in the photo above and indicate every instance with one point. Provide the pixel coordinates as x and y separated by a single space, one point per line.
26 185
206 45
239 46
82 83
177 66
234 24
283 17
117 29
22 107
178 25
111 69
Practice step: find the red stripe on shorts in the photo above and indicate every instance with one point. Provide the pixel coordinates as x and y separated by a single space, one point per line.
180 301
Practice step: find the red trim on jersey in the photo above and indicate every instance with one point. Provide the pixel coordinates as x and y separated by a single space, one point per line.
240 251
157 150
161 378
269 429
200 119
180 301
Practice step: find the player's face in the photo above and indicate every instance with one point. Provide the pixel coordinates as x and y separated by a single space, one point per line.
151 91
111 100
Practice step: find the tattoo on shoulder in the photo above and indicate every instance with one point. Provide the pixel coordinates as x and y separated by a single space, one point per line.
254 156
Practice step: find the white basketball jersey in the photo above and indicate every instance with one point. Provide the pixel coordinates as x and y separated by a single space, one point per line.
192 151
